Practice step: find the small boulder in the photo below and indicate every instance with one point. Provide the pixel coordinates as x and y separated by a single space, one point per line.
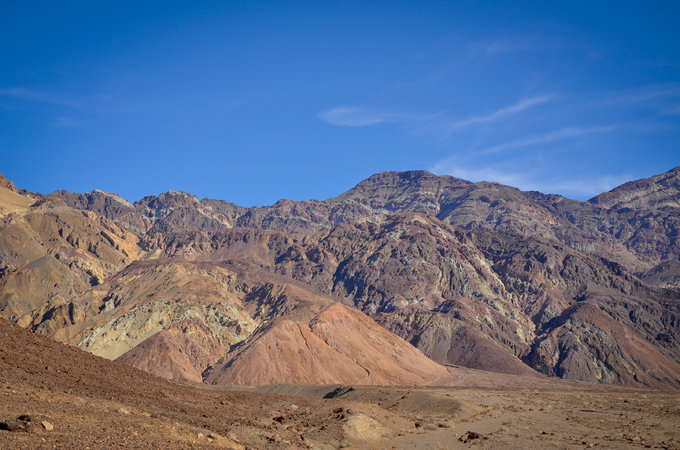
470 436
21 423
47 426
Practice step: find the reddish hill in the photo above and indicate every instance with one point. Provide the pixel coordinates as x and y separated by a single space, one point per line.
340 345
181 352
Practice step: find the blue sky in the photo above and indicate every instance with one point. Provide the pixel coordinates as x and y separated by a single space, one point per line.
255 101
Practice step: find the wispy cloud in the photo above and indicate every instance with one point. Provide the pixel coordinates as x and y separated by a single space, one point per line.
499 114
481 174
344 116
53 98
652 94
583 188
563 133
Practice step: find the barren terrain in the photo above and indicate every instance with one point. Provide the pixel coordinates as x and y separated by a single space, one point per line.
87 401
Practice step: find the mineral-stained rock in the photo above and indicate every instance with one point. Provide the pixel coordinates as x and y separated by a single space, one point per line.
474 274
339 345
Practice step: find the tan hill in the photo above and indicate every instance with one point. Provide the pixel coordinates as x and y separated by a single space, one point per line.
148 297
11 201
50 254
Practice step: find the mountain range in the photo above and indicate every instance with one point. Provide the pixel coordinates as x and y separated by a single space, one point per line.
403 279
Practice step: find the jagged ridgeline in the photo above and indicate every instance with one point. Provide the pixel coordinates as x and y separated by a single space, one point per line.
396 281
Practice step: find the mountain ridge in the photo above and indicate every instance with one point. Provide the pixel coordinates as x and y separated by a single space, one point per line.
479 275
587 226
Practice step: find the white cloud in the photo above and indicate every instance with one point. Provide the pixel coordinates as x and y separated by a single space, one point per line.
499 114
346 116
449 167
563 133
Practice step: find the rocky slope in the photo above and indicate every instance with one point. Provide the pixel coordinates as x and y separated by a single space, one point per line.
472 298
472 274
78 278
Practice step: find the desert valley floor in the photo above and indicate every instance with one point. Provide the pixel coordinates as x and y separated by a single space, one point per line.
91 402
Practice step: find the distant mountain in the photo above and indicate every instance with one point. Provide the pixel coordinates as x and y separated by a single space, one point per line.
607 225
479 275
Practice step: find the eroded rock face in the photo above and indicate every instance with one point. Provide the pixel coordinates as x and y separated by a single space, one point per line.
49 254
664 275
473 298
587 344
111 206
474 274
657 192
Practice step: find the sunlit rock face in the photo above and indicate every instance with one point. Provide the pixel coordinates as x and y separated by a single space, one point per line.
438 269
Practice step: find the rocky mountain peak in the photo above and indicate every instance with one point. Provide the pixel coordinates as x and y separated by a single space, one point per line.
391 183
169 199
108 195
657 192
5 183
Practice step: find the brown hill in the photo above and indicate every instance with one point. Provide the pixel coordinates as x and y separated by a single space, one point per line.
586 343
175 318
91 401
88 401
6 184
